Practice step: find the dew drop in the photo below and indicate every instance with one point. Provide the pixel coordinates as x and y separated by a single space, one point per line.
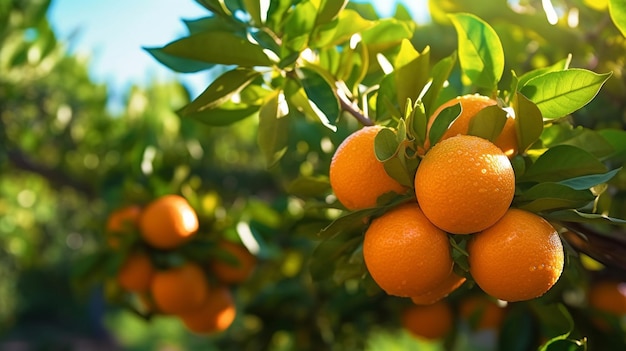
483 171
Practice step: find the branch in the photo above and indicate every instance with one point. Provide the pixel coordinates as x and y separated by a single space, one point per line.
350 107
610 251
54 176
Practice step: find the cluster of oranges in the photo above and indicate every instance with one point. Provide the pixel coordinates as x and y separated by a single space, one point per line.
196 292
464 185
606 300
435 321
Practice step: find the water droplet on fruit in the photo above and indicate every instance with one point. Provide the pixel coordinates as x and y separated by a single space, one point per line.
483 171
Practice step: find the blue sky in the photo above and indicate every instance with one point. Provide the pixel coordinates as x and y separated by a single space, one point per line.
112 33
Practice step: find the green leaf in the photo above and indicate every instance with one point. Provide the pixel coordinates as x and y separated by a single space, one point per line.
253 7
587 182
617 139
571 215
299 100
584 138
387 31
218 48
213 24
299 25
385 144
443 121
309 186
488 123
397 169
321 94
559 66
402 13
411 72
528 122
340 30
178 64
558 94
348 223
563 162
417 122
328 255
550 196
518 330
216 6
329 10
480 50
617 10
273 132
439 75
276 14
555 321
221 90
222 116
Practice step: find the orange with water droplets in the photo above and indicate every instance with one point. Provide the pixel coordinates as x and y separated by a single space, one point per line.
405 254
518 258
356 176
464 184
471 105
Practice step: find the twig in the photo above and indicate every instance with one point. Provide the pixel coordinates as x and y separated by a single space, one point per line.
349 107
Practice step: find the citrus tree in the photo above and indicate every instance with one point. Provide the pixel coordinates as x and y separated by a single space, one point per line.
346 180
479 153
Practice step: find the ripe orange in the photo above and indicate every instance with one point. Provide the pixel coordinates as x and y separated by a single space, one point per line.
120 221
471 104
230 273
481 312
168 222
464 184
518 258
136 272
356 176
430 321
215 315
180 289
608 296
443 289
405 254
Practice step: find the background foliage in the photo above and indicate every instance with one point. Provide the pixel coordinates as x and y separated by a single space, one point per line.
314 71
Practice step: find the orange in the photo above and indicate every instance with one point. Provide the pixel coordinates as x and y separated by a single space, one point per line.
471 104
464 184
232 273
431 322
179 289
120 221
216 314
518 258
405 254
608 296
136 272
443 289
356 176
481 312
168 222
